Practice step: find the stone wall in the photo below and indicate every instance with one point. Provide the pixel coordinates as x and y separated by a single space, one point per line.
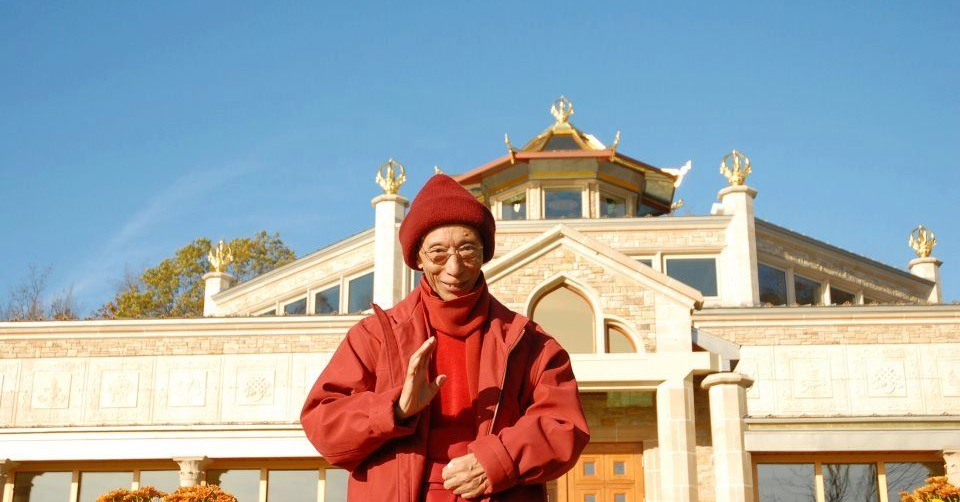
24 348
616 294
852 380
834 334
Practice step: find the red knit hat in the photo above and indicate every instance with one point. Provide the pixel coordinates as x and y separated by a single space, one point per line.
444 201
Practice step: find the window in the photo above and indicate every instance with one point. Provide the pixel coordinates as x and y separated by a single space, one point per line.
698 273
292 486
241 483
773 285
850 482
335 487
296 307
841 297
165 481
908 476
42 486
845 478
807 291
785 482
272 311
568 317
612 206
360 290
646 261
618 341
514 208
646 210
327 301
563 204
94 484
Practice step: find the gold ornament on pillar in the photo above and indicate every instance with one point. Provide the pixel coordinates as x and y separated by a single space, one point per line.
741 168
220 257
391 176
562 109
922 241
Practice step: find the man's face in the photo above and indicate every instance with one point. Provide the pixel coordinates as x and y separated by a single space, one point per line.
458 275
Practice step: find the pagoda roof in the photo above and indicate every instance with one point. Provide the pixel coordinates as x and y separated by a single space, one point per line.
563 140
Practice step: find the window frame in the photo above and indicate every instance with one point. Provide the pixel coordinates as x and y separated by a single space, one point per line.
688 256
820 458
826 282
282 305
501 197
312 297
345 291
630 199
559 186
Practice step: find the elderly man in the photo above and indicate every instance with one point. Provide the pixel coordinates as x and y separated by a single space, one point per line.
449 395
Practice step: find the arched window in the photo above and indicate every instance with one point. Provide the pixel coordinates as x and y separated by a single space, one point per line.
567 316
618 341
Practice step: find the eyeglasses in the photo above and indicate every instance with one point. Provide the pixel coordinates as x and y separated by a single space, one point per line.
468 253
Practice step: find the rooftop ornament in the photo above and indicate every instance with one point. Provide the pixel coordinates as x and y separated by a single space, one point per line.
220 257
510 149
391 176
741 168
437 170
922 241
562 109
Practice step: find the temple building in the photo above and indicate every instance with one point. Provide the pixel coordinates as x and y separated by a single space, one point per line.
720 357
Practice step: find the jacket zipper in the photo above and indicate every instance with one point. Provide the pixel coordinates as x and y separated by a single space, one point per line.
503 380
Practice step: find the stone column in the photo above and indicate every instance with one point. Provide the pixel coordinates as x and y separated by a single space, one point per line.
191 469
389 268
676 440
733 472
213 283
5 465
740 286
929 268
951 460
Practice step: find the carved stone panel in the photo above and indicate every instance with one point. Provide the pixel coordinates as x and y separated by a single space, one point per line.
187 389
256 388
119 391
886 378
811 380
51 392
941 374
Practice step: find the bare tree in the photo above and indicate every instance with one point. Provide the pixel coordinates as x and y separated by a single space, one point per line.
26 300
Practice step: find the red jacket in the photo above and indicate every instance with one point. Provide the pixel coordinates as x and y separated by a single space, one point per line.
530 422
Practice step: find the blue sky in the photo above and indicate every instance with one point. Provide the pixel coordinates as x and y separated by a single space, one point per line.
127 129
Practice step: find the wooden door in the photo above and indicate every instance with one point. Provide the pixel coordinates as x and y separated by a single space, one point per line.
605 473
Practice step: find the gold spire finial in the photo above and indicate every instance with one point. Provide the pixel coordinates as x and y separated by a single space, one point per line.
220 257
511 151
922 241
562 109
741 168
389 178
676 205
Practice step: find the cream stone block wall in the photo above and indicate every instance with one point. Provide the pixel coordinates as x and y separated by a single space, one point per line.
9 377
617 295
861 380
191 390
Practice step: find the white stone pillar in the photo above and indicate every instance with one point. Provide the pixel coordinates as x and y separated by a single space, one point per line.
191 469
213 283
739 286
676 440
733 471
929 268
951 460
389 268
651 471
6 485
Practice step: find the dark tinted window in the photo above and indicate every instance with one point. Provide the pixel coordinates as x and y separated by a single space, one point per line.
773 285
699 273
327 301
361 293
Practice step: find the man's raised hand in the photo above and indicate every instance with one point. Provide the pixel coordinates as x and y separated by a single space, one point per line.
418 390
